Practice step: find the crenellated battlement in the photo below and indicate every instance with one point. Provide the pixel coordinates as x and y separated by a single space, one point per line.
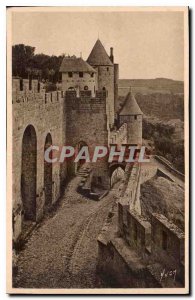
119 136
100 94
84 102
26 85
26 91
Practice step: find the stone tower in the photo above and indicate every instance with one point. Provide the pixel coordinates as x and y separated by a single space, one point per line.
104 66
131 114
78 75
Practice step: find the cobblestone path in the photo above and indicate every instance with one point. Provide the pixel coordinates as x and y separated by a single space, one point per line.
62 252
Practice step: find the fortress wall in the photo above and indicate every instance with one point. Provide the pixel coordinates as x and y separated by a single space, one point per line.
130 199
44 111
139 232
131 262
159 242
118 266
167 243
148 171
119 137
170 168
137 254
131 194
106 80
87 122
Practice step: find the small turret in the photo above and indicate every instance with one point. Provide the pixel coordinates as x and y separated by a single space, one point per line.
131 114
99 59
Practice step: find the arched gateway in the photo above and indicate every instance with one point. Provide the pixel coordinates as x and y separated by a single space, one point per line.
29 173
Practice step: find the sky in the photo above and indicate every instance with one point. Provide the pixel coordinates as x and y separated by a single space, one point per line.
146 44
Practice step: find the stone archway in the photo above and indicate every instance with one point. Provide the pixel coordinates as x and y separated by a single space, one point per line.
29 173
117 175
116 172
48 173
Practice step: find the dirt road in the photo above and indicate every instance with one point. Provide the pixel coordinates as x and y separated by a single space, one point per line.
62 252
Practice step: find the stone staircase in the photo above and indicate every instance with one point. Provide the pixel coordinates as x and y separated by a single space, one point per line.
84 172
84 186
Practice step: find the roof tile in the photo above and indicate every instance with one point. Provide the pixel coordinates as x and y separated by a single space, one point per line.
74 64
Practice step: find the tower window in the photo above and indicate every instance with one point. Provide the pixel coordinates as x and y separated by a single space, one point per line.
80 74
107 69
104 88
70 74
86 88
92 74
135 117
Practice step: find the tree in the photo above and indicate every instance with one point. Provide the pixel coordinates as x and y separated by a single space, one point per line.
21 57
27 64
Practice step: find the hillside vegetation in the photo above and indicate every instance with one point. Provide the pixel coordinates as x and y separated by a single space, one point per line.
167 138
162 196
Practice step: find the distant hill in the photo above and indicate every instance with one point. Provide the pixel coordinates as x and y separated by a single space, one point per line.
149 86
161 97
163 106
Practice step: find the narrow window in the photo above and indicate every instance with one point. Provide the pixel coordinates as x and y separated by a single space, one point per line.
80 74
135 117
107 69
39 87
69 74
92 74
164 240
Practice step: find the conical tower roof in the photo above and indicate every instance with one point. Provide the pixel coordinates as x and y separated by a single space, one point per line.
130 106
98 56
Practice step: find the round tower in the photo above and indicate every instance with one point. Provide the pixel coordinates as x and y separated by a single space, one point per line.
104 66
132 115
